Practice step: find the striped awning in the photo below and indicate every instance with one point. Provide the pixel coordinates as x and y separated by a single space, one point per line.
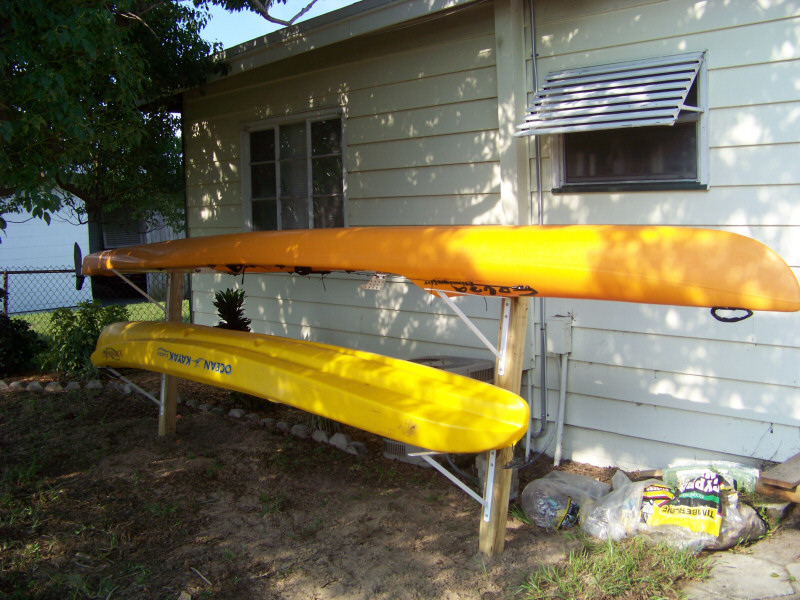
626 94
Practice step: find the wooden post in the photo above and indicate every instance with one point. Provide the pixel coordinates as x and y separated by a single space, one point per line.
169 383
492 532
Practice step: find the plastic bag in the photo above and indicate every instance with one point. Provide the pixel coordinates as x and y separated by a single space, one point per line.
740 524
737 476
619 514
554 501
695 507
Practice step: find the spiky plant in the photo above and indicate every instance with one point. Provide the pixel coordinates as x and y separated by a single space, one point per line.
230 309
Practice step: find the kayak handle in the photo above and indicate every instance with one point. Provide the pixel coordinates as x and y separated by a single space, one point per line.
735 319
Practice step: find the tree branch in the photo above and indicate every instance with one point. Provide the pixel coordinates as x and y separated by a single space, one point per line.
259 7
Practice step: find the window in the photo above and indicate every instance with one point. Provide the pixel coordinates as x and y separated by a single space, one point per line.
637 125
294 176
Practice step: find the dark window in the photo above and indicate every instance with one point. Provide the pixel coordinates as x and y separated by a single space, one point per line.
296 175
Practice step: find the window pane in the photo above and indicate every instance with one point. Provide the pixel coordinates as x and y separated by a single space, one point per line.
262 145
326 137
632 154
329 212
294 213
293 140
327 175
294 181
265 215
262 180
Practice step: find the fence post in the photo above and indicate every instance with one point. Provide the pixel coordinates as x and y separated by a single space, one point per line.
5 292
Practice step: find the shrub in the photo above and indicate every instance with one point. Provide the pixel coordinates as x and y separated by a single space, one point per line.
230 308
19 346
75 334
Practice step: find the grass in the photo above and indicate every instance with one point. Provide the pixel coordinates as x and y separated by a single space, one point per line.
138 311
600 570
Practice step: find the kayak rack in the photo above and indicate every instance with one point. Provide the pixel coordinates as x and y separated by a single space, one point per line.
497 483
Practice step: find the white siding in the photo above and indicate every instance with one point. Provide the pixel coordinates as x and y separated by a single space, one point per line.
421 146
30 243
648 385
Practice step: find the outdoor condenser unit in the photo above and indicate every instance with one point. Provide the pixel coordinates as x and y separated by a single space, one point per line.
475 368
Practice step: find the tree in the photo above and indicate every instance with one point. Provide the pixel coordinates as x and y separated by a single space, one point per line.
261 8
87 104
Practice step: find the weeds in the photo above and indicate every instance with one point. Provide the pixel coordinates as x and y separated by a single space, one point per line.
271 504
602 570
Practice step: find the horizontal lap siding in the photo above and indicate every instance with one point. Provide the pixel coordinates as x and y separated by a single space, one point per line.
401 320
420 147
651 384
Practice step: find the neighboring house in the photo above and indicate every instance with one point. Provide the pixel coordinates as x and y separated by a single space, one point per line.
31 244
404 112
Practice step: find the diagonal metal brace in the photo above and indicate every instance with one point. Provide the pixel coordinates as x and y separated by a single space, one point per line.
485 501
506 320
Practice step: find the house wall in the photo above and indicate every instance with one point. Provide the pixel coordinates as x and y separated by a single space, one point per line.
427 143
648 385
421 123
29 244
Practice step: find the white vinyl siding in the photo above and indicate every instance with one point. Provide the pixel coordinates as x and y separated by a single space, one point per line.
647 384
420 120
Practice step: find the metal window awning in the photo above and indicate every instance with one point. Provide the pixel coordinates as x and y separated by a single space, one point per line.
626 94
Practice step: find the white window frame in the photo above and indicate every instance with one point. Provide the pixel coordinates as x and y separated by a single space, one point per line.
246 183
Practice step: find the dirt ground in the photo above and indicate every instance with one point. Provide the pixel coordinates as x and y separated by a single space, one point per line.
96 505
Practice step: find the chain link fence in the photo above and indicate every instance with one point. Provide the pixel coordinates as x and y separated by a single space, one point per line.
33 294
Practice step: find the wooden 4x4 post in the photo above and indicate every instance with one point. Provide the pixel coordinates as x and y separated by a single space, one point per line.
492 532
169 383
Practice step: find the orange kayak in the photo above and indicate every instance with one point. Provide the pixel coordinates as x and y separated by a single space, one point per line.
681 266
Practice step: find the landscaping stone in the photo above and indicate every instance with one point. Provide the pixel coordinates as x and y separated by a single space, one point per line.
320 436
218 410
34 386
204 407
300 431
72 386
53 386
252 417
340 440
282 426
359 448
267 422
94 384
3 386
16 386
236 413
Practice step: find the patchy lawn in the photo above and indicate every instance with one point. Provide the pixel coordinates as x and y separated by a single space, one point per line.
94 505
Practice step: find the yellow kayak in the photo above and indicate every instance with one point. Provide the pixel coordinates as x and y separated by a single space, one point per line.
392 398
649 264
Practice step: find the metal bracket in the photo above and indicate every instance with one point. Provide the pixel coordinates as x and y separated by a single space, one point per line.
504 325
140 290
135 387
486 500
376 282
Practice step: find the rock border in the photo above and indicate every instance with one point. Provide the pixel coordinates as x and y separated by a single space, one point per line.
340 441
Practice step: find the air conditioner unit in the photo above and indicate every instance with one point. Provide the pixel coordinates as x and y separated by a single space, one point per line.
474 368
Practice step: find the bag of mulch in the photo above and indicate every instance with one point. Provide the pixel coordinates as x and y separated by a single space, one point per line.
696 506
554 501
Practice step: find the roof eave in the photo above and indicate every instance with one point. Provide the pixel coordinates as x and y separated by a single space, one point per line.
349 22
